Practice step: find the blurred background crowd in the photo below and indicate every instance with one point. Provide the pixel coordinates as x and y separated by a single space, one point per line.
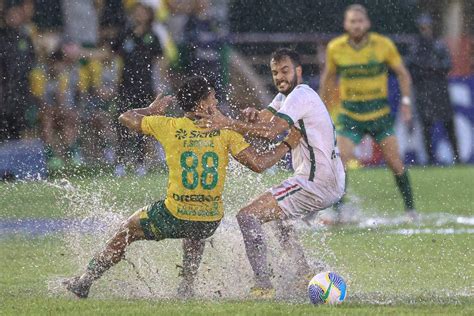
70 67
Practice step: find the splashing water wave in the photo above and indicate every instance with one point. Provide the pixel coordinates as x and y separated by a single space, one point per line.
150 268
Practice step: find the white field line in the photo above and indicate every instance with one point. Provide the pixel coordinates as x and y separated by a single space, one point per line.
439 231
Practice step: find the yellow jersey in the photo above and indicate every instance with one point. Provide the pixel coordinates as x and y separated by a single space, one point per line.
363 75
197 162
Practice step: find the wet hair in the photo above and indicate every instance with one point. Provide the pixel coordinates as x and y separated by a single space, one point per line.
282 53
192 91
357 7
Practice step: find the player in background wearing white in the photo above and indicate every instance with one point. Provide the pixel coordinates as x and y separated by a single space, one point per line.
319 179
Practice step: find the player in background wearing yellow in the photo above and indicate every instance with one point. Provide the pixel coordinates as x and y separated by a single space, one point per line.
359 59
197 162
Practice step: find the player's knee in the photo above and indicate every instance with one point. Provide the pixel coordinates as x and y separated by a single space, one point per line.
131 228
399 171
245 216
241 216
397 166
250 226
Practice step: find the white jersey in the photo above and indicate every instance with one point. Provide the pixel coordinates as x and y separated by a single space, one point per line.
316 159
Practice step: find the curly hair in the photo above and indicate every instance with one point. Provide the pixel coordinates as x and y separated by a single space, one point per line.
192 91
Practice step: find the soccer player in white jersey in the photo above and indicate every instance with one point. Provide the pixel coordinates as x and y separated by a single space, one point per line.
319 178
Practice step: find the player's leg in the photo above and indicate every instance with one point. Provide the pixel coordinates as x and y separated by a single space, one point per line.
263 209
450 129
391 153
349 133
53 149
71 126
123 137
290 243
192 255
113 252
47 125
346 147
427 125
389 146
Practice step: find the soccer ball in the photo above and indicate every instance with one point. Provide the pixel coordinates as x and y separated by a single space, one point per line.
327 288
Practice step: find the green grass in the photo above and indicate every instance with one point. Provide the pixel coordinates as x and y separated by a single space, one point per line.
436 190
422 274
146 307
28 264
417 267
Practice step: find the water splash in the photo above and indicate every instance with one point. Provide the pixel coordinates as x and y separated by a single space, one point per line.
150 268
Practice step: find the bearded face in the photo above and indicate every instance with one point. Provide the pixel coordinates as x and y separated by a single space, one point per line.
284 74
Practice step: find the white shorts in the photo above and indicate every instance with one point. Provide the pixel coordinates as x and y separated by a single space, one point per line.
297 196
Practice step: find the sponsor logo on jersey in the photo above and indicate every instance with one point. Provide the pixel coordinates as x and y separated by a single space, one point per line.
361 92
195 198
207 213
183 134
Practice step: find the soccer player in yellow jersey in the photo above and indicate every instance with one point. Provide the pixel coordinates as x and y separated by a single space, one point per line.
359 59
197 162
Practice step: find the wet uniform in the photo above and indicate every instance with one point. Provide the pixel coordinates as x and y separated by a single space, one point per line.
319 177
363 90
197 162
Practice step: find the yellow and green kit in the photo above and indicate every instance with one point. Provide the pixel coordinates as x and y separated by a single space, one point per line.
363 85
197 162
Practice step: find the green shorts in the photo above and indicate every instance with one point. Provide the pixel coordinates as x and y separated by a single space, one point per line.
379 129
158 223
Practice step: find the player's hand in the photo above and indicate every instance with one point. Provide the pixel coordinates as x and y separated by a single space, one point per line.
406 112
293 138
250 114
213 121
159 105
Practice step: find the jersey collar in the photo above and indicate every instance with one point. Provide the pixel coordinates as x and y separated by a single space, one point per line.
357 49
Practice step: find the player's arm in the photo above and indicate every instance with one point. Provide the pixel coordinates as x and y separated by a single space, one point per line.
267 129
132 119
328 78
254 115
395 62
259 162
404 80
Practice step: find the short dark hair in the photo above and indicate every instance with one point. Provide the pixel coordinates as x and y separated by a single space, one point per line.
357 7
192 91
283 52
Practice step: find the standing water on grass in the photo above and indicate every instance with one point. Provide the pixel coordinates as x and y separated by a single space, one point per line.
383 260
150 269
